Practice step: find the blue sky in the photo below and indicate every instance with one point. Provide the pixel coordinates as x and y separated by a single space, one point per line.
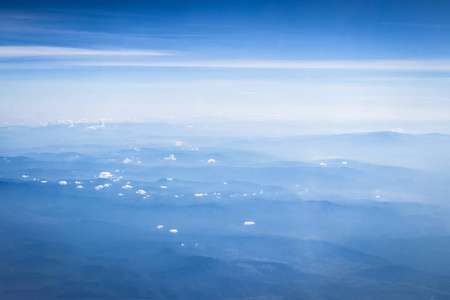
334 61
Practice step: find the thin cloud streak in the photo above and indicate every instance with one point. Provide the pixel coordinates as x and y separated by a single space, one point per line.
39 51
382 65
49 52
425 65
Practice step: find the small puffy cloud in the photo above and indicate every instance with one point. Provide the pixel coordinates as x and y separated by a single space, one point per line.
211 160
99 187
25 176
107 185
96 126
182 244
249 223
164 187
62 182
44 181
105 175
199 195
344 163
120 194
79 187
127 186
127 160
141 192
177 196
78 182
323 164
160 226
225 182
169 179
170 157
178 143
398 130
173 230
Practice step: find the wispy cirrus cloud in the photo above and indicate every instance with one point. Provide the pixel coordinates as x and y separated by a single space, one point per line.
384 65
73 57
42 57
49 51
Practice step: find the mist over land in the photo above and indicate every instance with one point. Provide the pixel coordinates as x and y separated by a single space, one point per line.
171 211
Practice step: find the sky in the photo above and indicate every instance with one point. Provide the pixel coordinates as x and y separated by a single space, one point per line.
330 61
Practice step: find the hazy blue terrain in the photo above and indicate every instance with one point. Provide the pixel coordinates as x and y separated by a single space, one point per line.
351 216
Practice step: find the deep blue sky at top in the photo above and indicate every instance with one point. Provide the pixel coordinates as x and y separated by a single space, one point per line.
326 29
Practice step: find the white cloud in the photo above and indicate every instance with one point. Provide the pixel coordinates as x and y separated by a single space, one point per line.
78 182
323 164
199 195
164 187
225 182
127 160
120 194
29 51
178 143
62 182
169 179
398 130
344 163
173 230
141 192
248 223
44 181
79 187
160 226
127 186
105 175
170 157
25 176
387 65
99 187
211 160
